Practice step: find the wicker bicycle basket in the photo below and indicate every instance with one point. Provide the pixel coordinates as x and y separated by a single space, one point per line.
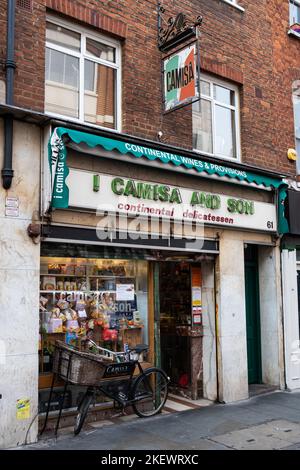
77 367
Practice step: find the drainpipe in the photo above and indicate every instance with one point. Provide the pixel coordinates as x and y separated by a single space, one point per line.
7 171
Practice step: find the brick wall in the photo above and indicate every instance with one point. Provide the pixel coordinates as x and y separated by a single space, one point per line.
251 49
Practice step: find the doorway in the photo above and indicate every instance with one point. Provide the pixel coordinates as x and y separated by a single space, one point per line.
253 315
175 322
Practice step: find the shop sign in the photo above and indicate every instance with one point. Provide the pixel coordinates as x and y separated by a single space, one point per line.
59 170
180 78
130 197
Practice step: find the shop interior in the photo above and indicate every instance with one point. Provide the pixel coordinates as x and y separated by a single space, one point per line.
176 323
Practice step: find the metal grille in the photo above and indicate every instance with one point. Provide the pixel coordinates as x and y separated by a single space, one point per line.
25 4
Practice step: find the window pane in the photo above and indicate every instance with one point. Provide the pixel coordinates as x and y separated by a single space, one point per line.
62 83
63 37
47 65
89 76
71 72
297 116
100 51
205 88
99 94
224 95
202 126
56 66
225 132
294 13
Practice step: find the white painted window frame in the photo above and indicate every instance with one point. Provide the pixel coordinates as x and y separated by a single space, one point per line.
82 55
235 108
296 2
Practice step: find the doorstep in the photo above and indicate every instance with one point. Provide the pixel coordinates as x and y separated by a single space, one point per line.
260 389
177 403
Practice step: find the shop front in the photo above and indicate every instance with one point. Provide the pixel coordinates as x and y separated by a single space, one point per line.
142 245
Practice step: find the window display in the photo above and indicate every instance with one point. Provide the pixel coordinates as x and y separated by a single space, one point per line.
91 298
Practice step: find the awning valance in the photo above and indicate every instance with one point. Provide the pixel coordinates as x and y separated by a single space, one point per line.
59 170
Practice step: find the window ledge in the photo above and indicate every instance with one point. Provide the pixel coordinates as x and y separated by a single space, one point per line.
234 5
293 33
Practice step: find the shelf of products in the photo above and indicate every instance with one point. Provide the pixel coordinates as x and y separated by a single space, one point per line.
81 298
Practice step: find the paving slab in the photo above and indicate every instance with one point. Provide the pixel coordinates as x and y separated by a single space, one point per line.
270 436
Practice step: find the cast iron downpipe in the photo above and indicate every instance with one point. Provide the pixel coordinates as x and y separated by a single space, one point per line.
10 65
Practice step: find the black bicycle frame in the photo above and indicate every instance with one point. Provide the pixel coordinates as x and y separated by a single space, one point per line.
130 383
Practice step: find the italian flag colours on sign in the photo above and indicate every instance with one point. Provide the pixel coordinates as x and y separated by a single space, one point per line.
180 78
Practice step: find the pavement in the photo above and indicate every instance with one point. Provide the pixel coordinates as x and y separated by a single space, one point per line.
264 422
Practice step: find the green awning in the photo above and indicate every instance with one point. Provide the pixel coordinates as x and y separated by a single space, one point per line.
59 169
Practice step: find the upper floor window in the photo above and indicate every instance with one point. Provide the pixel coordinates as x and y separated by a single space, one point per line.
234 3
82 75
216 119
294 12
296 103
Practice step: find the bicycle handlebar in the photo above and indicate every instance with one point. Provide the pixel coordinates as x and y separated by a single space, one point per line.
108 352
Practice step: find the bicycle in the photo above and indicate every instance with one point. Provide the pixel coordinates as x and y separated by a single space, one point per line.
146 393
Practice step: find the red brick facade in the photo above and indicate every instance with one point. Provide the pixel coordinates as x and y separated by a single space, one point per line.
250 48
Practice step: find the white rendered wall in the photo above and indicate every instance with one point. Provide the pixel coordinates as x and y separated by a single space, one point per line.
231 319
291 319
19 290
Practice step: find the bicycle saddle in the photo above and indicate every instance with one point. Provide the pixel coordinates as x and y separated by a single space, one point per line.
139 348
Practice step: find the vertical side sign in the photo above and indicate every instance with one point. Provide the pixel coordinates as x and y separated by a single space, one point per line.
180 78
59 171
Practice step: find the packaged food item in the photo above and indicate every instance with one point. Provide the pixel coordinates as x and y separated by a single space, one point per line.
55 324
67 285
80 303
71 338
91 269
60 285
70 269
110 335
54 269
63 304
73 285
80 270
82 314
49 283
43 303
72 325
82 285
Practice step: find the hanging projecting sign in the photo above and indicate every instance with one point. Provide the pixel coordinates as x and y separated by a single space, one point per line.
131 197
180 78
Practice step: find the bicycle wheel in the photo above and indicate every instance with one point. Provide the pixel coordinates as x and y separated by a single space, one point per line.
150 392
82 412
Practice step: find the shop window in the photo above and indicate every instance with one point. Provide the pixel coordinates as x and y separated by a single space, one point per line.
216 121
82 76
103 299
